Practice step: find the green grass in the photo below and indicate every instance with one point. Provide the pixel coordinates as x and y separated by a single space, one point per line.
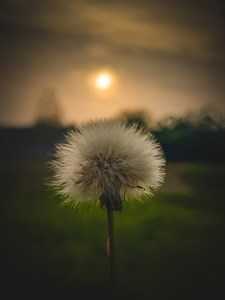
172 247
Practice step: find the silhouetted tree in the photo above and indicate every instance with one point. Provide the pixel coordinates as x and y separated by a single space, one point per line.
48 109
140 117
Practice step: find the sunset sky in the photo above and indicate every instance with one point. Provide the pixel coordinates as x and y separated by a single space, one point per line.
165 57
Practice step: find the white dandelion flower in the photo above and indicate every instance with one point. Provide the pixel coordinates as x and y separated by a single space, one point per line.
107 160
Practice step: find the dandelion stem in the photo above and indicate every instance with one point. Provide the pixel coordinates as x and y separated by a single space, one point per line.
112 255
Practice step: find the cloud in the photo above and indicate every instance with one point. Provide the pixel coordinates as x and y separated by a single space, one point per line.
192 28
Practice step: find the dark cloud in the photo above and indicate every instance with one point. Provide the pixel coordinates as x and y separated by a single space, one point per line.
193 27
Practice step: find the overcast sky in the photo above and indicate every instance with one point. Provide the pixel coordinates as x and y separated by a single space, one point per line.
166 57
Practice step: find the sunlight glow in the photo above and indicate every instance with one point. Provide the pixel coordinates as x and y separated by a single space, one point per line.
103 81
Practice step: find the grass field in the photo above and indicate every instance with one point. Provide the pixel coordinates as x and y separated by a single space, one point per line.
169 248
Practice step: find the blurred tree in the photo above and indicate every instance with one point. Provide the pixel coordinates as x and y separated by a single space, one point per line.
204 119
140 117
48 109
196 136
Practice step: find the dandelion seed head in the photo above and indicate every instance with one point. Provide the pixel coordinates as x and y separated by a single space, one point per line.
107 157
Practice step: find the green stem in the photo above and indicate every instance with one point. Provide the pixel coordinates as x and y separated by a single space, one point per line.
112 251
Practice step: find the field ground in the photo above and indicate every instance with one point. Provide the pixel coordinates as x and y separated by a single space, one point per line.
171 247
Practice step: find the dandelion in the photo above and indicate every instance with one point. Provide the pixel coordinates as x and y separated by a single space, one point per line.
107 162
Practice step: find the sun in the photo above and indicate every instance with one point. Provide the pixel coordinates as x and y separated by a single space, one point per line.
103 81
